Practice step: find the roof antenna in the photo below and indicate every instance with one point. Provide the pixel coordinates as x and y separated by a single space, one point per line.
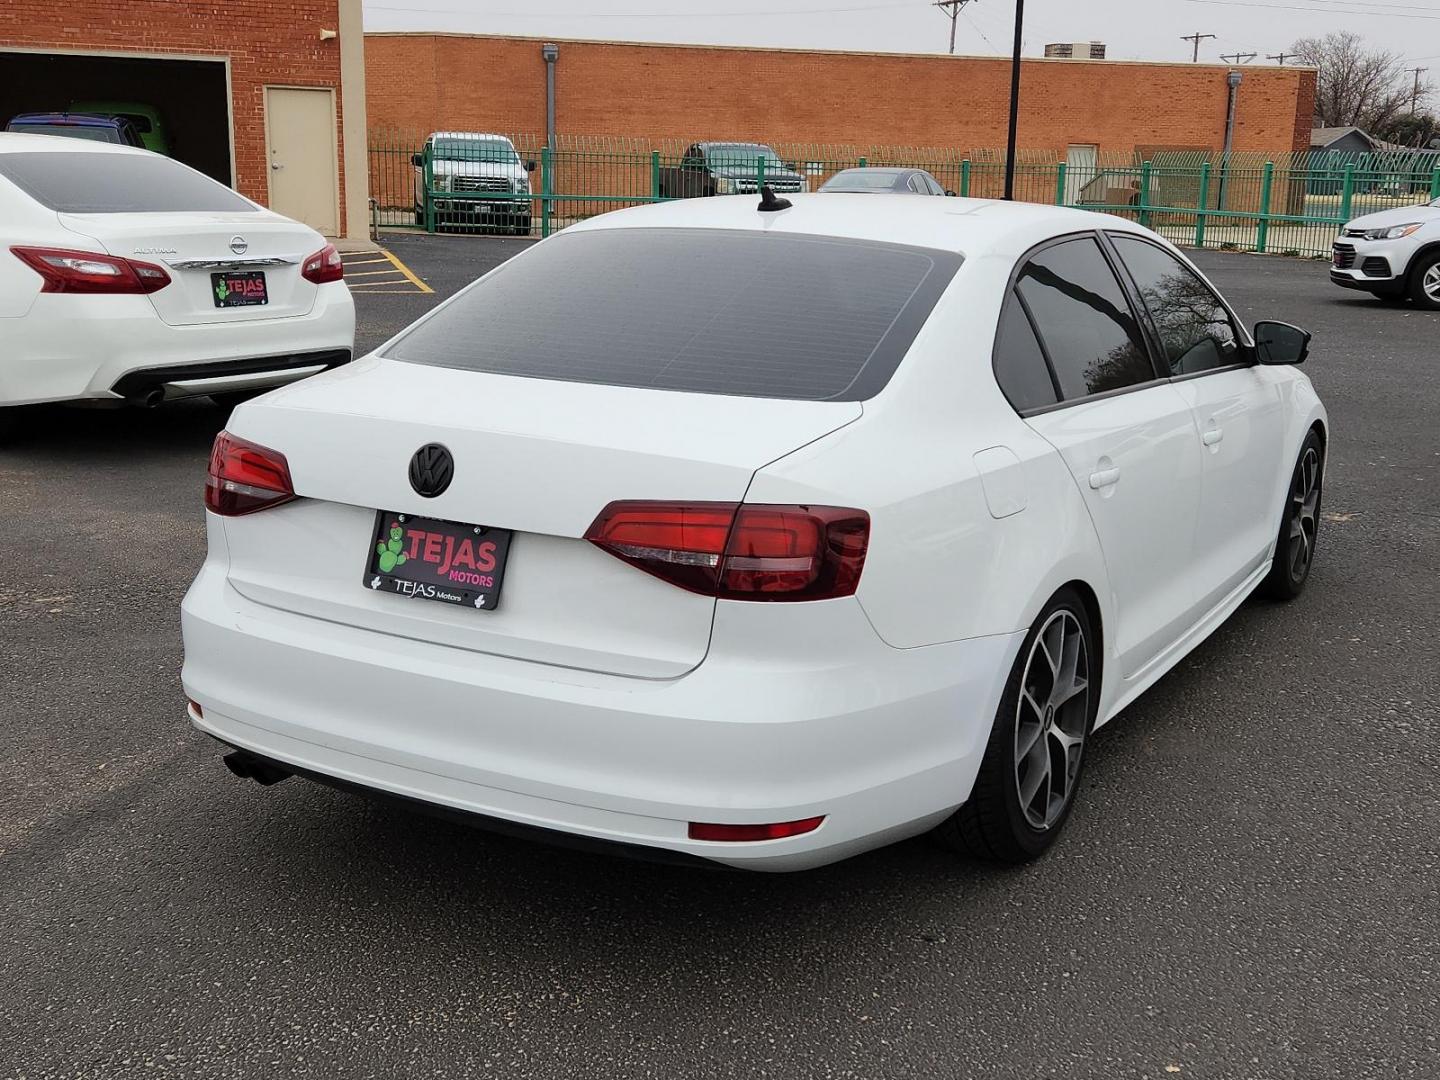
769 202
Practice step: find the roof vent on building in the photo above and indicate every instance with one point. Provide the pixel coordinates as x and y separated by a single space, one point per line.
769 202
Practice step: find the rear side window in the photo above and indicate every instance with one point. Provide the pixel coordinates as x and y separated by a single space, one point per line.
1020 366
88 132
1193 325
96 183
1084 320
700 310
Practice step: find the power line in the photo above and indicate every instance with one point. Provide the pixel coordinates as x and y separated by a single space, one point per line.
955 6
1196 37
1239 57
1314 8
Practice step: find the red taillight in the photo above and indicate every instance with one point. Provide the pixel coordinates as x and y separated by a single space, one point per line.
740 552
325 265
701 830
90 272
245 477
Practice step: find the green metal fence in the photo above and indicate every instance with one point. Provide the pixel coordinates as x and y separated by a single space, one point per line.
1290 204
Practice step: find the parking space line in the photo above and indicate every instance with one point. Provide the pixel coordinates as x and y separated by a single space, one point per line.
365 262
368 273
410 276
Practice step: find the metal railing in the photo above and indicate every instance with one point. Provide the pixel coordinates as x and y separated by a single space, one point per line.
1290 204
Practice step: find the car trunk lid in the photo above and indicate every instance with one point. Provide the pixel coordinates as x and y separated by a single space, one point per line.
538 457
193 247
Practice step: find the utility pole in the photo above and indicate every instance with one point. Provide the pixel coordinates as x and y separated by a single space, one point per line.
1415 94
1196 37
1239 57
1014 100
954 8
1281 57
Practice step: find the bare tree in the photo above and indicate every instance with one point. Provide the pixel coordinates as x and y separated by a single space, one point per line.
1358 86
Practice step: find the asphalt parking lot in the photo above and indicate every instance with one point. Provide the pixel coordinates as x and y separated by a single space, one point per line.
1248 888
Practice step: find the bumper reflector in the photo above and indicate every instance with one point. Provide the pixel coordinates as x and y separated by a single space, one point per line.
700 830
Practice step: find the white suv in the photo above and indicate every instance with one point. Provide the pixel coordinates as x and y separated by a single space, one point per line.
1392 253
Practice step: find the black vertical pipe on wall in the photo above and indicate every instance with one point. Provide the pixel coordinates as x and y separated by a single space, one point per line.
1014 102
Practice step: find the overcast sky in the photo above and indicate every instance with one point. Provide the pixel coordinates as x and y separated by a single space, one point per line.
1134 29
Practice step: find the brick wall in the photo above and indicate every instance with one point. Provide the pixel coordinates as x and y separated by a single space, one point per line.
267 41
424 82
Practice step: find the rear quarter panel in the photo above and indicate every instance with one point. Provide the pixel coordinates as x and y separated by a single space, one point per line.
940 566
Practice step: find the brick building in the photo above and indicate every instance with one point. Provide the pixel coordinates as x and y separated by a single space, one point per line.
419 82
265 95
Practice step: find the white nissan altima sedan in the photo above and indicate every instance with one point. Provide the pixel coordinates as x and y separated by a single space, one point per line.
128 277
757 536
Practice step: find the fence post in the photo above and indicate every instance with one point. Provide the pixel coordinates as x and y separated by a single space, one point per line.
965 178
1060 183
546 166
1435 184
1262 232
1145 193
427 178
655 175
864 161
1202 204
1347 189
759 171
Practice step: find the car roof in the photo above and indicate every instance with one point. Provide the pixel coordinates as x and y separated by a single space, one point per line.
972 227
468 135
19 142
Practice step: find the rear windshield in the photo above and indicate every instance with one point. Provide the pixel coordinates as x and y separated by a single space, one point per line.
94 183
706 311
90 132
869 180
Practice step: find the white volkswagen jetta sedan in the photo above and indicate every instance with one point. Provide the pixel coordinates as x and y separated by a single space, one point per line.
126 276
756 536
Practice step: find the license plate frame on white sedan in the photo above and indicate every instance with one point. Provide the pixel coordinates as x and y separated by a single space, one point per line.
424 558
239 288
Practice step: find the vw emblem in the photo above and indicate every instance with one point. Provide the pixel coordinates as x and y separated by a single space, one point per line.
431 470
238 245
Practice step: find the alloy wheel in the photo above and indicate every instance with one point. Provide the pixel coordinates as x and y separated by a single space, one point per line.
1050 719
1431 283
1304 512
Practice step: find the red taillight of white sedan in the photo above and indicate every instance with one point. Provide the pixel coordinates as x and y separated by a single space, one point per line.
739 551
67 271
325 265
245 477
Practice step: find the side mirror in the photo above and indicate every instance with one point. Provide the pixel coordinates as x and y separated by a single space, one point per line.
950 193
417 159
1281 343
529 164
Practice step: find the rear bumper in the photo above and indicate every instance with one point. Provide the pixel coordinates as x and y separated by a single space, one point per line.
60 351
885 743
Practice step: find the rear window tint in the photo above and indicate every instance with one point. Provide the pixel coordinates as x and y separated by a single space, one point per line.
94 183
699 310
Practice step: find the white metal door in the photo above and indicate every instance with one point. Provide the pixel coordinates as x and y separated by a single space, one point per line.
1081 165
300 151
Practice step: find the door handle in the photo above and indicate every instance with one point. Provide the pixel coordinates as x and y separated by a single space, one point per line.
276 165
1212 437
1102 478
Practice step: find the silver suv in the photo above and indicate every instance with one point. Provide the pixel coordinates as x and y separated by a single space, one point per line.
476 178
1392 253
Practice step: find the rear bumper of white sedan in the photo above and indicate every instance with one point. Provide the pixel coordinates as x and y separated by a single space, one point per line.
116 347
881 742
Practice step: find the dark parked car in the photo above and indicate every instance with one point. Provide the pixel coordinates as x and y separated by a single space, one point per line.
885 181
109 129
729 168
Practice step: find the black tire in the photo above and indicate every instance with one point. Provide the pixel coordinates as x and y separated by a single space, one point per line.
995 823
419 215
522 227
1424 282
12 423
1299 524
